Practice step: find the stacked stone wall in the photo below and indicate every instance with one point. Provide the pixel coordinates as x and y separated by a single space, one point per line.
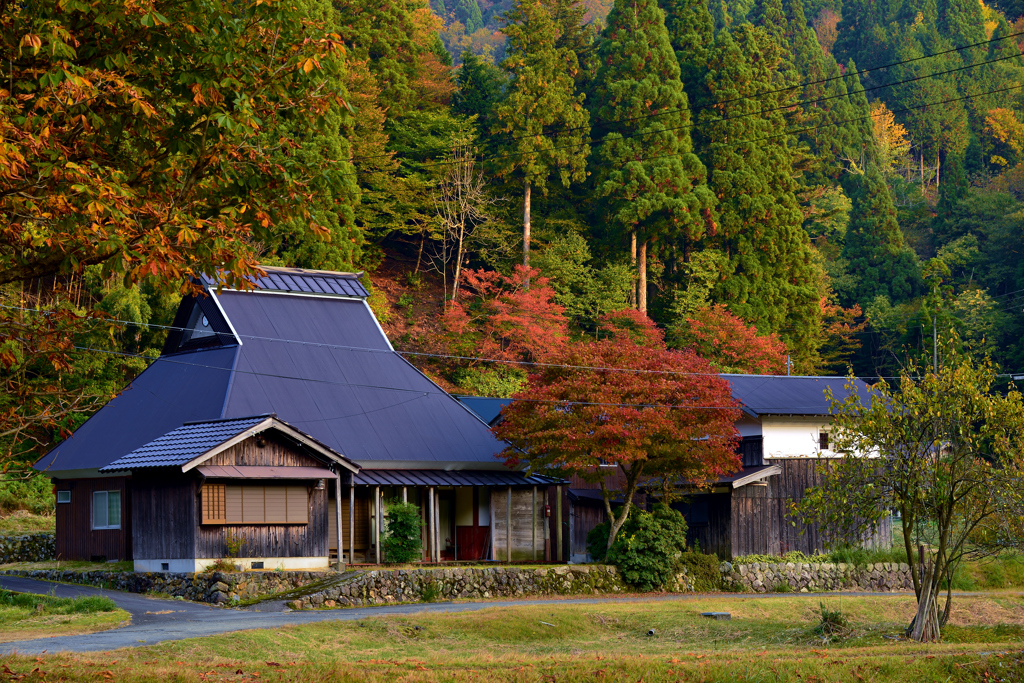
764 577
41 547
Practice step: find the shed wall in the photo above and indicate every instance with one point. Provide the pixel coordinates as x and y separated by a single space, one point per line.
164 515
76 539
522 524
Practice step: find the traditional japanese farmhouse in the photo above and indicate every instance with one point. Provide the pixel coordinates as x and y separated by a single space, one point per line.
785 437
271 429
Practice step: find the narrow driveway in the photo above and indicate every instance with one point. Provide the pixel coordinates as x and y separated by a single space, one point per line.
155 620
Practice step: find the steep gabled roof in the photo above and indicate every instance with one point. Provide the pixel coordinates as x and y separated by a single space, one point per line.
193 443
300 280
320 363
785 395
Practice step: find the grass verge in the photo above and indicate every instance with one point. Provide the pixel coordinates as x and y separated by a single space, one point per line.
24 615
22 522
776 639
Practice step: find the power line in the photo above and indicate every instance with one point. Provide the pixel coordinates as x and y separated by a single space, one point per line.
761 94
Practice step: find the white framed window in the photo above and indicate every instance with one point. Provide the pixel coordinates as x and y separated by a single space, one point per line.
63 496
106 510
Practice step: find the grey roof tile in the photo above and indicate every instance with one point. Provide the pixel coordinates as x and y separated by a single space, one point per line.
784 395
184 444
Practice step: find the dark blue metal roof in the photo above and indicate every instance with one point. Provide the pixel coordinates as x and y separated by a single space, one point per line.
784 395
487 408
306 282
171 391
453 478
182 445
322 365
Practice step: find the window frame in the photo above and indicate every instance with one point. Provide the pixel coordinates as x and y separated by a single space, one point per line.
64 491
106 510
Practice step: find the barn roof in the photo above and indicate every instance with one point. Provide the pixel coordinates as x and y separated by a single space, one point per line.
193 443
322 282
321 364
785 395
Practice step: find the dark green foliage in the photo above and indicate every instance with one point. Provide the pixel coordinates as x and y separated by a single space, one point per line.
479 89
597 541
402 532
691 30
34 494
645 172
769 279
648 547
874 248
468 12
833 623
703 571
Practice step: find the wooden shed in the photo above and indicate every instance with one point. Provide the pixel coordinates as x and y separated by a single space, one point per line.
251 489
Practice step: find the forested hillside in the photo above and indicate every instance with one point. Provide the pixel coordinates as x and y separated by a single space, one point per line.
831 182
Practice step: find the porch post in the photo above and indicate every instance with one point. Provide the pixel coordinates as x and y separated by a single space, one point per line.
437 524
352 522
558 522
533 529
455 519
508 525
432 545
405 494
424 537
337 526
377 517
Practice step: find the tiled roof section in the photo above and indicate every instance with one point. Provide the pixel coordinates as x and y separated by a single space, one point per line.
184 444
299 280
452 478
784 395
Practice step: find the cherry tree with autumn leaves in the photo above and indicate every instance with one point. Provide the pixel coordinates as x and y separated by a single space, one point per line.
625 400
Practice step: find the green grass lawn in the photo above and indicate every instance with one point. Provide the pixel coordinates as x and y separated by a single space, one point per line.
766 640
24 616
22 522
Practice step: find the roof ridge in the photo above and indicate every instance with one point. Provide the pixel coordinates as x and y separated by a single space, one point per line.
261 416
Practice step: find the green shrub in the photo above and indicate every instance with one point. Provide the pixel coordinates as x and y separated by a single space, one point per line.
34 494
53 605
794 556
860 556
597 541
402 532
648 547
703 571
430 592
833 625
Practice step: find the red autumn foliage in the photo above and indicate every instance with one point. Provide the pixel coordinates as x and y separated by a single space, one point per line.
497 317
729 344
669 416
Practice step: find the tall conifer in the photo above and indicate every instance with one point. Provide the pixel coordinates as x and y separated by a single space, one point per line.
769 279
543 113
652 185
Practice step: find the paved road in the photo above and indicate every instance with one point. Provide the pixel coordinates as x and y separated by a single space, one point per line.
180 619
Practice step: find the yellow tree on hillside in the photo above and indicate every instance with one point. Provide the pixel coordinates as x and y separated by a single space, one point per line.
892 139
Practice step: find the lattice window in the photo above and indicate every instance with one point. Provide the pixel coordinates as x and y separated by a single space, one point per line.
213 500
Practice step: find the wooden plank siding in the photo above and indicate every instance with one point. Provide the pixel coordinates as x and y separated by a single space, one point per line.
522 524
275 452
585 515
164 515
362 526
76 539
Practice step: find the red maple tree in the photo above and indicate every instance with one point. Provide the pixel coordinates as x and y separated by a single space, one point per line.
629 402
730 344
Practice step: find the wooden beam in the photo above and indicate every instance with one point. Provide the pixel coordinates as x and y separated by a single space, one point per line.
431 542
337 510
377 519
558 523
351 522
533 529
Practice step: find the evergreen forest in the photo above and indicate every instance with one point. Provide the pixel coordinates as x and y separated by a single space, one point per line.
804 186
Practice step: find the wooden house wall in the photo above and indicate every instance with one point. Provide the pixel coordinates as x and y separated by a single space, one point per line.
362 519
275 452
585 515
523 531
76 539
164 515
269 540
707 517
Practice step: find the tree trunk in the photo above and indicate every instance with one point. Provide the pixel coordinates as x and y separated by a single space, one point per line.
632 263
526 229
925 627
642 280
632 479
459 255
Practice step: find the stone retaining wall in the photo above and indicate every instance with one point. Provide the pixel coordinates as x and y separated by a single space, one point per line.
762 577
41 547
214 587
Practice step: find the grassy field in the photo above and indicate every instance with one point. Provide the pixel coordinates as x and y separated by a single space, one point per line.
24 522
776 640
24 616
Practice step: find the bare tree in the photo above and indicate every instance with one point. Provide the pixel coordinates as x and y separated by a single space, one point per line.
462 204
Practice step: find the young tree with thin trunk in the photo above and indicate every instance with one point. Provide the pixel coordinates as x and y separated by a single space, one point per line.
629 402
543 115
946 452
652 185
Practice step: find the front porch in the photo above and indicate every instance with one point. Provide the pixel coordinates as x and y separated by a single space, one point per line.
468 516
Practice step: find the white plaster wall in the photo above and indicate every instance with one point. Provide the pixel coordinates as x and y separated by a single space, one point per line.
748 426
793 437
198 565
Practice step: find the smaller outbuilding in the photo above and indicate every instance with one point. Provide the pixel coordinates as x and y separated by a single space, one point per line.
252 489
